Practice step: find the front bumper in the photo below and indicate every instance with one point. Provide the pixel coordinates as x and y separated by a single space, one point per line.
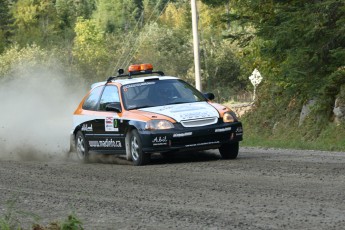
200 138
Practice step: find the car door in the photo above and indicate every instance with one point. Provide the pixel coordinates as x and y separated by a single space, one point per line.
107 134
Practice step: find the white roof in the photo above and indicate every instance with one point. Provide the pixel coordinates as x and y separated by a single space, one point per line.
126 81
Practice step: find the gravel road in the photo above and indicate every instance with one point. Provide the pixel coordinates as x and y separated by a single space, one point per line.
262 189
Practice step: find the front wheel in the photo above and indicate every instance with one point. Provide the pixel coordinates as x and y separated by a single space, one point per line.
229 150
137 154
81 146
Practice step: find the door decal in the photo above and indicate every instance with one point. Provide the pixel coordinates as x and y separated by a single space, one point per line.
111 124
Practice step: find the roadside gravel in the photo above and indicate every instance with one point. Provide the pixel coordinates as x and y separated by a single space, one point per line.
262 189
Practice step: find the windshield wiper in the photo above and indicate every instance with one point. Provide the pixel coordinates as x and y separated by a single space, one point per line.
142 107
179 102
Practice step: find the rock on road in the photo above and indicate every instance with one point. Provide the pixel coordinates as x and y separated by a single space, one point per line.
262 189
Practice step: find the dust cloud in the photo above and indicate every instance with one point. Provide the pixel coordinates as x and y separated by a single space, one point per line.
36 110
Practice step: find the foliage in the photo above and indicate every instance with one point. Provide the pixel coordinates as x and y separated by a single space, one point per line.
221 69
176 16
301 53
330 138
72 223
37 63
116 16
12 218
95 35
215 2
304 38
89 47
16 60
171 50
211 25
5 25
67 12
35 22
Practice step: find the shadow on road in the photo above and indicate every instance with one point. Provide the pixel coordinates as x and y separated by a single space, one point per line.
184 157
157 159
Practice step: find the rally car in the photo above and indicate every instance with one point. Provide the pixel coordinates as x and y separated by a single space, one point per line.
144 112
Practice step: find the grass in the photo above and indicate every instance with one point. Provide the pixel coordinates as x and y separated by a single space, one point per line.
71 223
11 220
278 128
331 138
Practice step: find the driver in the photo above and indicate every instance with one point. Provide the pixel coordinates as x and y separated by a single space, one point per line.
166 92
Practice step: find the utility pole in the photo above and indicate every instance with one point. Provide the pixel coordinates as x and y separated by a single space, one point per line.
196 45
228 15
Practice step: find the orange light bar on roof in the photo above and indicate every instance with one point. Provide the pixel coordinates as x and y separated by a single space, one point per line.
134 68
140 67
146 66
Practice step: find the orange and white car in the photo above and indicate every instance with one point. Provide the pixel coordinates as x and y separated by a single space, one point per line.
146 112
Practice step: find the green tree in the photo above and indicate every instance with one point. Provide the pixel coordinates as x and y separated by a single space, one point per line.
35 22
221 69
300 50
306 40
5 25
17 61
177 16
90 48
215 2
116 15
167 49
69 10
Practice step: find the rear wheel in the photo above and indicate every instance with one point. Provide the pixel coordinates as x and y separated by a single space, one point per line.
137 154
81 147
229 150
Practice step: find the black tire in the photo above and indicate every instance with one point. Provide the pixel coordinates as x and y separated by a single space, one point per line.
82 148
137 154
229 151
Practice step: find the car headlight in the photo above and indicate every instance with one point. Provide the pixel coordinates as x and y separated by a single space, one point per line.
158 124
229 117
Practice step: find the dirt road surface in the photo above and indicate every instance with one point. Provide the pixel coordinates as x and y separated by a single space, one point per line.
262 189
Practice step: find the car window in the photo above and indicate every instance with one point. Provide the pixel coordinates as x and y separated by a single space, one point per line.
92 101
110 95
158 93
188 92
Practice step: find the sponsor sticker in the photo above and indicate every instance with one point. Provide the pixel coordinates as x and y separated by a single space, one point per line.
239 131
137 85
222 130
182 134
105 144
110 124
160 140
195 115
201 144
86 128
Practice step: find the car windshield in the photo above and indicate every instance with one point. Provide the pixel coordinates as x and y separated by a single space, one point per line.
159 92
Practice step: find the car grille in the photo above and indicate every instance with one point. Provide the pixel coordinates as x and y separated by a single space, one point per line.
199 122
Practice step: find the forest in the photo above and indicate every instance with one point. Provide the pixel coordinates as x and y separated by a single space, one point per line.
297 45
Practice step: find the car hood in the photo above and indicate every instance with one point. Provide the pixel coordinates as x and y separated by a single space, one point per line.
186 111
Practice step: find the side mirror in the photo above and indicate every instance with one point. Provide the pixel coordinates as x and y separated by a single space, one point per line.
115 107
209 96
